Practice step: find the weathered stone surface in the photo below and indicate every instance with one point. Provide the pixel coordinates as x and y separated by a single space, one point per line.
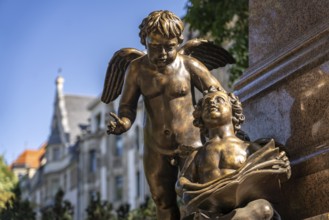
320 217
294 112
285 94
275 24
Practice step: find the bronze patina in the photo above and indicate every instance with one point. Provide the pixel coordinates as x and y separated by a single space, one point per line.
165 78
229 178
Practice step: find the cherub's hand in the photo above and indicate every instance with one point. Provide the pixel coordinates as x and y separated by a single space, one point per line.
286 164
118 126
282 156
184 150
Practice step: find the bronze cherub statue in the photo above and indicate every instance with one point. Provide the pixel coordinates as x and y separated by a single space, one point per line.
165 78
229 178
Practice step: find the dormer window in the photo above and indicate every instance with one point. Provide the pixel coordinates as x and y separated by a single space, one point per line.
56 154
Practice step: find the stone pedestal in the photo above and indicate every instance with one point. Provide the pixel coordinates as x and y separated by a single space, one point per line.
285 94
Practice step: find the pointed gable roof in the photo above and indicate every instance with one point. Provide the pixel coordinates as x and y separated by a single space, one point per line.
70 111
77 114
54 137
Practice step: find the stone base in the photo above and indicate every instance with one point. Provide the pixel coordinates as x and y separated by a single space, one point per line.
306 194
319 217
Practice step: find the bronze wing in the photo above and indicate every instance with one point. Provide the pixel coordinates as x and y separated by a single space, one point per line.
115 73
211 55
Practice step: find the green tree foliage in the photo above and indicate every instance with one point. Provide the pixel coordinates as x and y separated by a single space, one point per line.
98 210
147 211
225 22
101 210
7 183
123 211
61 210
16 209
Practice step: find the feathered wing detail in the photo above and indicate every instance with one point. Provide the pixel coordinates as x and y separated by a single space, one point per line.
211 55
115 73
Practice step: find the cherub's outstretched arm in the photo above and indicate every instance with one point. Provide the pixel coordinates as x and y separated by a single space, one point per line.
116 72
128 104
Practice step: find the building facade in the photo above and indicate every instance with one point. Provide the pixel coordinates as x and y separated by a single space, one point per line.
111 165
81 159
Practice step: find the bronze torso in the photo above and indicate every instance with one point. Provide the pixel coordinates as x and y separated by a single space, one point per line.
220 157
168 102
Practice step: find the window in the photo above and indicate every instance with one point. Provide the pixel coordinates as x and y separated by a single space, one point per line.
65 181
138 185
73 178
98 120
118 146
118 187
54 186
92 195
56 153
92 161
137 137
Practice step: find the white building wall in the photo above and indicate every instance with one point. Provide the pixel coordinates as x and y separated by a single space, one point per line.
131 178
109 166
71 196
103 168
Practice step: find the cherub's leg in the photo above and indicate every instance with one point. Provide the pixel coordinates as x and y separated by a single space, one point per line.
162 177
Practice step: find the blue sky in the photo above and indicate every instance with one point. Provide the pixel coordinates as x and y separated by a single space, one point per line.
37 37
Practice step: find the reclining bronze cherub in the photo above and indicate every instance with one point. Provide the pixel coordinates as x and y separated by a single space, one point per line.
229 178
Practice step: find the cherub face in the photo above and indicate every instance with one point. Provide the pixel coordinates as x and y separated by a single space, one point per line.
216 109
161 51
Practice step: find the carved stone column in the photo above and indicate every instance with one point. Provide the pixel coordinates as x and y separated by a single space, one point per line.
285 93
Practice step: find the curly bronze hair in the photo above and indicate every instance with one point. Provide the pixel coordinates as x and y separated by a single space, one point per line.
237 112
165 23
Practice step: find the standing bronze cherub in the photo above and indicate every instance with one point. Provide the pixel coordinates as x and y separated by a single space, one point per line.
165 77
